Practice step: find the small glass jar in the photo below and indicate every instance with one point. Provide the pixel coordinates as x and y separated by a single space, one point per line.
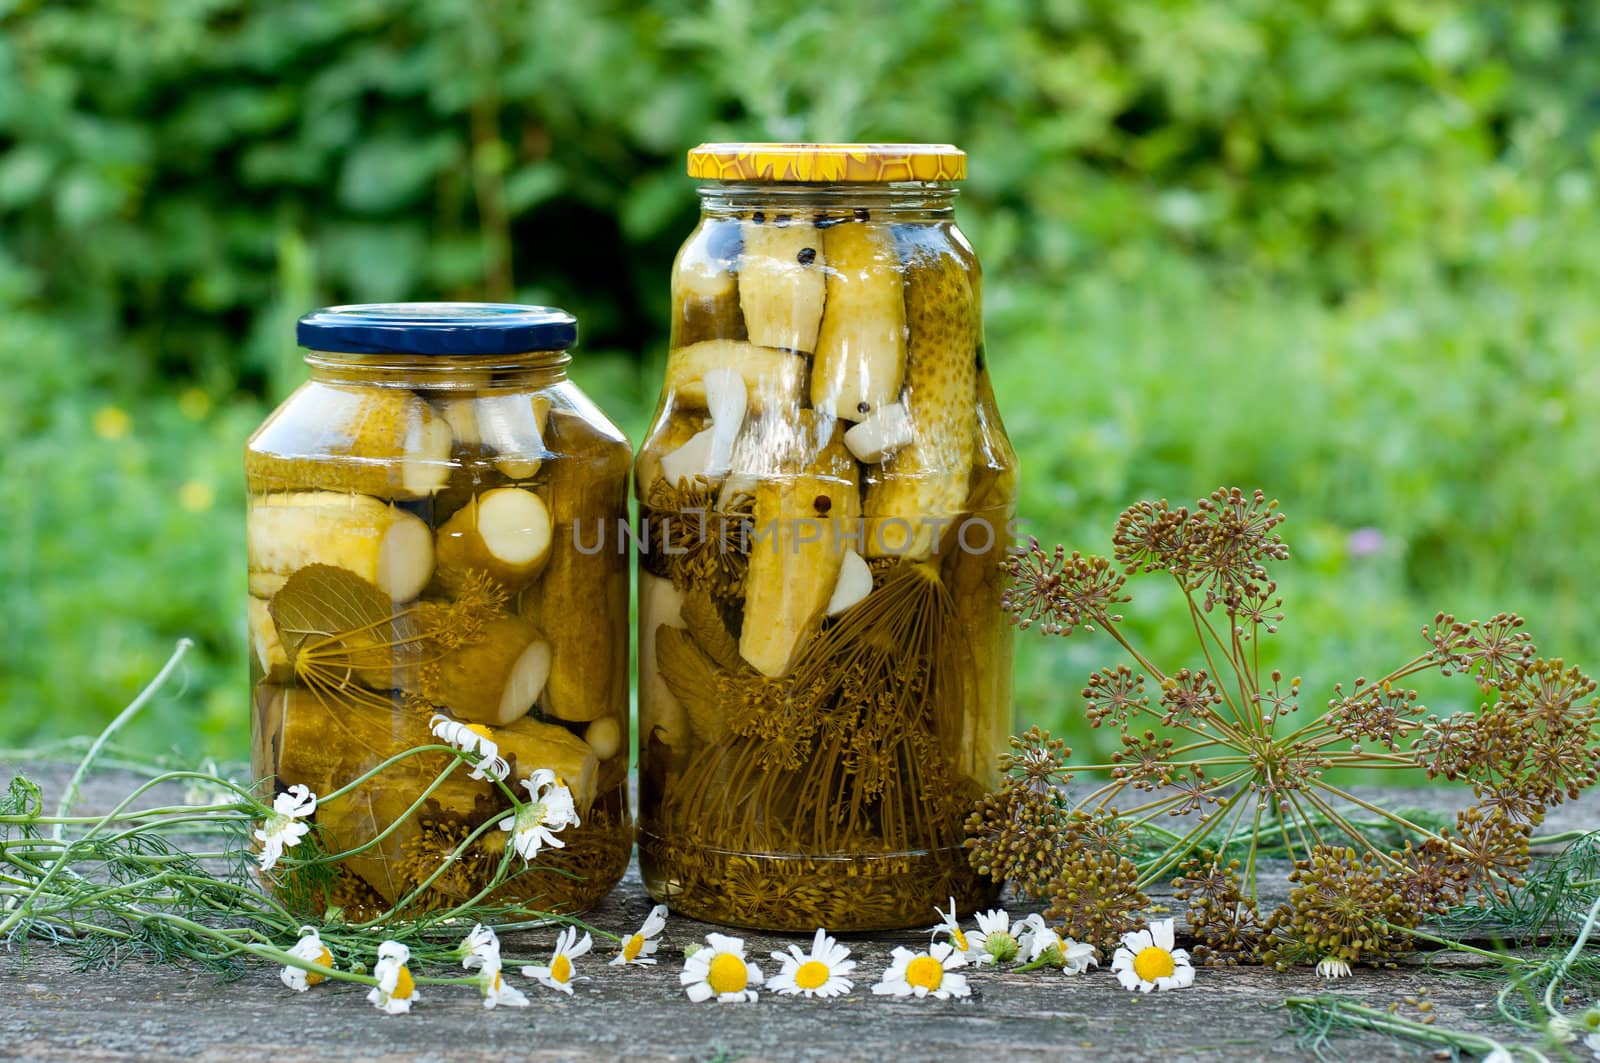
435 558
825 495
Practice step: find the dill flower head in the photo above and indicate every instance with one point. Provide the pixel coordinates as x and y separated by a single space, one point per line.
1037 762
1095 897
1012 837
1060 593
1342 906
1113 695
1226 924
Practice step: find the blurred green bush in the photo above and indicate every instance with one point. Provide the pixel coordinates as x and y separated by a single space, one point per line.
1343 250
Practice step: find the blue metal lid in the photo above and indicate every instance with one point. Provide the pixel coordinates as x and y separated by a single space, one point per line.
437 328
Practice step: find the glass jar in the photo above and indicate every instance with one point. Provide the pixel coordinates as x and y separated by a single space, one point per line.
825 494
435 559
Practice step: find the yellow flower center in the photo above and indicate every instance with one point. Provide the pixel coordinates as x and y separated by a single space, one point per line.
480 730
727 974
813 974
960 938
1153 963
631 947
925 971
403 985
561 969
324 959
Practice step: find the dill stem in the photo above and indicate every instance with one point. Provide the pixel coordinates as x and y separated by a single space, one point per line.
1392 817
1383 1022
1198 620
1457 946
1355 835
1185 845
403 817
1572 955
133 709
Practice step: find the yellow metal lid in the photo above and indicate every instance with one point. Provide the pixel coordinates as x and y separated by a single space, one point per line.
820 163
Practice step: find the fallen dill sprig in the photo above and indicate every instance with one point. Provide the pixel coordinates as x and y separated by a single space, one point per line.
180 882
1318 1017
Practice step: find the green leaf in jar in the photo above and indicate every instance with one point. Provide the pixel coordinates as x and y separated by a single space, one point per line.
341 632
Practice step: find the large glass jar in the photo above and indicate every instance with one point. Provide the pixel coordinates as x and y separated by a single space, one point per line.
824 669
435 559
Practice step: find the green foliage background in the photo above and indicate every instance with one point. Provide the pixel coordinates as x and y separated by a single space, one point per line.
1345 250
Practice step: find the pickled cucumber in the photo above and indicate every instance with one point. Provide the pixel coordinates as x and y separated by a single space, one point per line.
580 603
705 291
670 434
384 442
774 379
926 480
265 647
803 526
781 283
861 348
381 543
494 679
504 533
325 742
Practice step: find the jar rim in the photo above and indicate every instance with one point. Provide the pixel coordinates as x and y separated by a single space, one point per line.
828 163
437 329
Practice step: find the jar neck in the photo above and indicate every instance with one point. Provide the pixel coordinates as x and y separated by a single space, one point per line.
898 202
440 372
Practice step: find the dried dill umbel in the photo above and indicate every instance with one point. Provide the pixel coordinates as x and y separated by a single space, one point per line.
1220 756
697 539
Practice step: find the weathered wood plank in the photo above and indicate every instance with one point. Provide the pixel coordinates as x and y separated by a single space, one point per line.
49 1012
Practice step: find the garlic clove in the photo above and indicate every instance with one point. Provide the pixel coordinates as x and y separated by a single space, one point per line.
726 402
881 434
854 584
690 460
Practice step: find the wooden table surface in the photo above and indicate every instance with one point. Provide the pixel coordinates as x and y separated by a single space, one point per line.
48 1011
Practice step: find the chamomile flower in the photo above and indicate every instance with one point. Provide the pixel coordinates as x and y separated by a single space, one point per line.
1039 942
478 947
283 829
720 970
949 924
1559 1029
549 811
639 948
472 738
925 974
1332 967
311 949
993 941
495 989
1148 961
558 973
819 973
395 992
1592 1043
